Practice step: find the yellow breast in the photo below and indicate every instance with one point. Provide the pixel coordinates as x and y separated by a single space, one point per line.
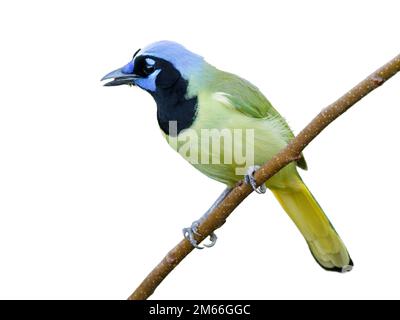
223 142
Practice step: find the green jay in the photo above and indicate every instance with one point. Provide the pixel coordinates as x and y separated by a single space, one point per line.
193 96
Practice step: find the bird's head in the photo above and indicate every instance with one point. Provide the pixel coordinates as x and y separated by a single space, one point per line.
157 67
172 75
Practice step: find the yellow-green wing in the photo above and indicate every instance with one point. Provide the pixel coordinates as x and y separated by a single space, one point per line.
247 99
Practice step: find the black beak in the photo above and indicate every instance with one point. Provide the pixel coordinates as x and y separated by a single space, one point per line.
119 78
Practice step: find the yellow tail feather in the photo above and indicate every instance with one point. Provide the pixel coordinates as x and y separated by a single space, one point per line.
325 244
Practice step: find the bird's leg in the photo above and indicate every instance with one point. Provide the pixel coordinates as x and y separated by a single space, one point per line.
249 179
189 233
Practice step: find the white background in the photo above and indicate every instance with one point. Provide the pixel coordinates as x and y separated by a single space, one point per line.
91 196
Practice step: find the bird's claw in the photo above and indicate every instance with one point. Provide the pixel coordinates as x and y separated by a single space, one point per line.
249 179
189 233
213 240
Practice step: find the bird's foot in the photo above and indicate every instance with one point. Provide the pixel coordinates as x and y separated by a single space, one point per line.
189 233
249 179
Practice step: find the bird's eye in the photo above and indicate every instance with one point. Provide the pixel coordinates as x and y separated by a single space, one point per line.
147 70
149 66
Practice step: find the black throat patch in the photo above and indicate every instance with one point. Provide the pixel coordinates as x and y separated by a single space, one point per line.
170 97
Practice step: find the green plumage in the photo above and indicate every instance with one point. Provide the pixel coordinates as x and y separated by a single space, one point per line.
225 101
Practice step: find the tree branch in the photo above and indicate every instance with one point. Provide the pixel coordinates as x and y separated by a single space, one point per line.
284 157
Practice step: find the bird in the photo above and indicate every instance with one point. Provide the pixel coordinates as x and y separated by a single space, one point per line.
192 97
